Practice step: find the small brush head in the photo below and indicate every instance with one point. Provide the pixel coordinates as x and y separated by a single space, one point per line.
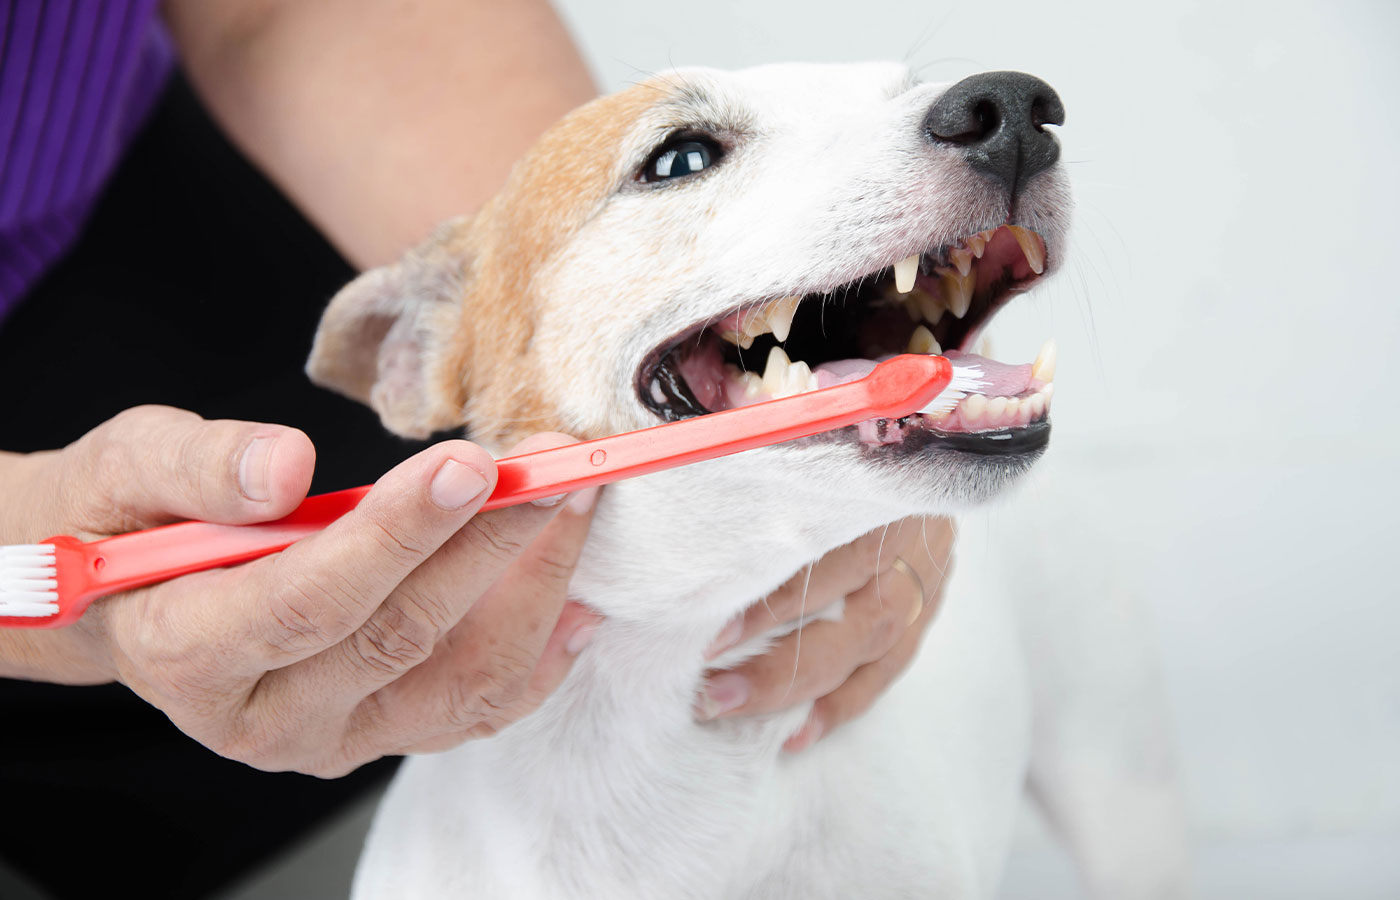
28 581
966 380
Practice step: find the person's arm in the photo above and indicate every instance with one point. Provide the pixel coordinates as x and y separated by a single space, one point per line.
381 118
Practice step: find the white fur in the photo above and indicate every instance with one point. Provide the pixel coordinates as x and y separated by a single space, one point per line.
612 789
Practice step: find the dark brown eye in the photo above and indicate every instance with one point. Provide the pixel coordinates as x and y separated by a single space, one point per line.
681 157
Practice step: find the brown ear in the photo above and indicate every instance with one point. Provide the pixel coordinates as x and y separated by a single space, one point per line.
378 339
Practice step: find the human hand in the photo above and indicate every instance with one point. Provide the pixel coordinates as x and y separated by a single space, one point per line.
410 624
841 665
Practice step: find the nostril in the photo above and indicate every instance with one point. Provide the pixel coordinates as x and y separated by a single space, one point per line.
999 119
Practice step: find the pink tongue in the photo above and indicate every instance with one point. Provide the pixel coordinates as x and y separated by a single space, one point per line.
1001 379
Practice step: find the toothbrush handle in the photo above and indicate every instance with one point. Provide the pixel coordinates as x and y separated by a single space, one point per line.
895 388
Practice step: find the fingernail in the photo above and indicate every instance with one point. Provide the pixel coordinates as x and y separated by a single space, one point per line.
728 637
726 691
456 484
805 737
547 502
252 469
582 637
583 500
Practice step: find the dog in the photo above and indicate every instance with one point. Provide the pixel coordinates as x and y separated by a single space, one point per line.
704 240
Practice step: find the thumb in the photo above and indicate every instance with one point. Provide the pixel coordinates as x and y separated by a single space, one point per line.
155 464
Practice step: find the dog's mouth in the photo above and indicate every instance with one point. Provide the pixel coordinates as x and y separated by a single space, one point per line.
938 301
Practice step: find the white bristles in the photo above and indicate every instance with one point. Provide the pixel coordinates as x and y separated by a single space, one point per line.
966 380
28 581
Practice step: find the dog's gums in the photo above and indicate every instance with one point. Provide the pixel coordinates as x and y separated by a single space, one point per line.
940 298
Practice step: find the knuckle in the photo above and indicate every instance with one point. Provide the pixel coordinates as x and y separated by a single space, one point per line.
403 553
393 641
490 696
486 532
307 612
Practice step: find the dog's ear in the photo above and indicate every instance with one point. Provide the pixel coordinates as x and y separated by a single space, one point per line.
378 341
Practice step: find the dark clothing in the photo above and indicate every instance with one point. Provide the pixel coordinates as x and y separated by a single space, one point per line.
195 284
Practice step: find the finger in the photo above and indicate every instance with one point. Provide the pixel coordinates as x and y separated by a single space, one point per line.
811 590
820 656
500 662
317 592
858 693
402 631
155 464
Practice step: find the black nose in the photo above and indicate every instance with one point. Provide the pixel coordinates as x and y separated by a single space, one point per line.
996 117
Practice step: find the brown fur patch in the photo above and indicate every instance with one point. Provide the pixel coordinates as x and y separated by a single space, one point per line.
485 368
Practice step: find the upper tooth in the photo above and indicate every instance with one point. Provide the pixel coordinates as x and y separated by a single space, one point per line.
931 307
1044 366
775 372
961 258
977 244
1030 246
904 272
755 323
913 305
741 340
922 341
780 313
957 292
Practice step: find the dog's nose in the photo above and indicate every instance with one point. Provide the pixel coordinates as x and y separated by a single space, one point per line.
996 117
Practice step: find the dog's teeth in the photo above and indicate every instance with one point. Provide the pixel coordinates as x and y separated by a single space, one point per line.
656 393
957 292
912 305
961 258
1030 246
755 324
922 341
1044 366
1037 404
996 407
780 313
775 372
977 244
799 379
973 408
904 272
931 307
1013 408
1048 392
753 385
738 340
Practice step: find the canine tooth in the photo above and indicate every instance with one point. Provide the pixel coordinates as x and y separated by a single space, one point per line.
957 292
904 272
1030 246
1044 366
977 244
775 372
931 307
922 341
780 313
996 407
961 258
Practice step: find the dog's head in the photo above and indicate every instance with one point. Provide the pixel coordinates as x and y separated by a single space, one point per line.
708 239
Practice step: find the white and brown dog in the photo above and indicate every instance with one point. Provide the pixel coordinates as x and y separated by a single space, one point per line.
699 241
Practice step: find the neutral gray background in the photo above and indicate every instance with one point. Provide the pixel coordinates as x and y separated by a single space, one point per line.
1225 422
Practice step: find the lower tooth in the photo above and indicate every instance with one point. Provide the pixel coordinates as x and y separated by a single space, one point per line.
995 408
972 409
656 393
931 307
1037 405
1013 408
957 292
923 341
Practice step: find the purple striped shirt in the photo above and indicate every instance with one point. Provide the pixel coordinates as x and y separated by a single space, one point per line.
77 80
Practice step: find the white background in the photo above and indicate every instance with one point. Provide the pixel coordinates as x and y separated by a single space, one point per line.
1225 423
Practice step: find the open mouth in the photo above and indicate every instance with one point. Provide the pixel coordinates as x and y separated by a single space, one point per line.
938 302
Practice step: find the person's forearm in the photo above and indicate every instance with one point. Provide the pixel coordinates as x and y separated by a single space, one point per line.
381 118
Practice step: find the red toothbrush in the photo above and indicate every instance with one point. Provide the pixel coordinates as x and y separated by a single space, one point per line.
53 583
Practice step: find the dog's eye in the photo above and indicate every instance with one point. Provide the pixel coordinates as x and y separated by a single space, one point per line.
679 158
